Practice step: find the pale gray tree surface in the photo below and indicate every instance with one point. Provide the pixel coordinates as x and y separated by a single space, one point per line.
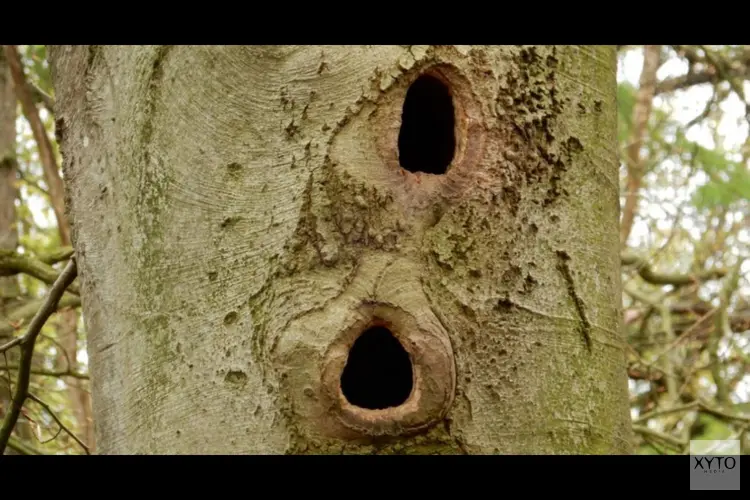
240 215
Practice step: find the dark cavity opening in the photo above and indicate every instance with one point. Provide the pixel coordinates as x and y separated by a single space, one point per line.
426 141
378 373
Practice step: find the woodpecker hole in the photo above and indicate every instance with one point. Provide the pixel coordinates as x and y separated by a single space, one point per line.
378 372
427 141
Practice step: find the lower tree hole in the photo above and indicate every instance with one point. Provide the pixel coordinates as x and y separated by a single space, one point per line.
426 141
378 372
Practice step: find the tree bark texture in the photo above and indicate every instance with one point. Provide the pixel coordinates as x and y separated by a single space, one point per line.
240 217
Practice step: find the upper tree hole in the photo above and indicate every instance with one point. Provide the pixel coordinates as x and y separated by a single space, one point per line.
378 372
426 141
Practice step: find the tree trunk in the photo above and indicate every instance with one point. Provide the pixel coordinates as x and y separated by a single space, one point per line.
634 158
240 217
9 290
9 287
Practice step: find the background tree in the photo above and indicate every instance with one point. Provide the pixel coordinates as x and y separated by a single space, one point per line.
683 132
683 188
9 285
37 237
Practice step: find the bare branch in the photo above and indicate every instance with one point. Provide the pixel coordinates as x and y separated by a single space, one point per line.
50 373
7 373
650 276
695 405
27 350
22 448
659 413
41 96
716 97
641 113
722 414
723 68
666 438
685 81
56 256
12 263
709 75
46 154
16 341
58 345
31 182
23 313
62 426
686 334
59 430
721 328
716 70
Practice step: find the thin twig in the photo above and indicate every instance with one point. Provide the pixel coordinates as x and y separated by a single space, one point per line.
13 262
59 430
658 413
706 110
702 77
7 373
62 426
633 154
16 341
720 65
721 328
654 445
27 350
684 335
650 276
21 314
722 414
49 373
68 364
25 178
22 448
41 96
666 438
55 256
44 146
695 405
680 210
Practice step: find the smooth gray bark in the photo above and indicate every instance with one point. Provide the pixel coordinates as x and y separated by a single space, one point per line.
240 216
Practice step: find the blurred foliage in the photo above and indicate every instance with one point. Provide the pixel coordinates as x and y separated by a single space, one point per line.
37 67
692 215
38 236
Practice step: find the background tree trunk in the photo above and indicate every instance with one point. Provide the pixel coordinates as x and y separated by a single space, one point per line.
9 288
78 393
240 217
67 319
